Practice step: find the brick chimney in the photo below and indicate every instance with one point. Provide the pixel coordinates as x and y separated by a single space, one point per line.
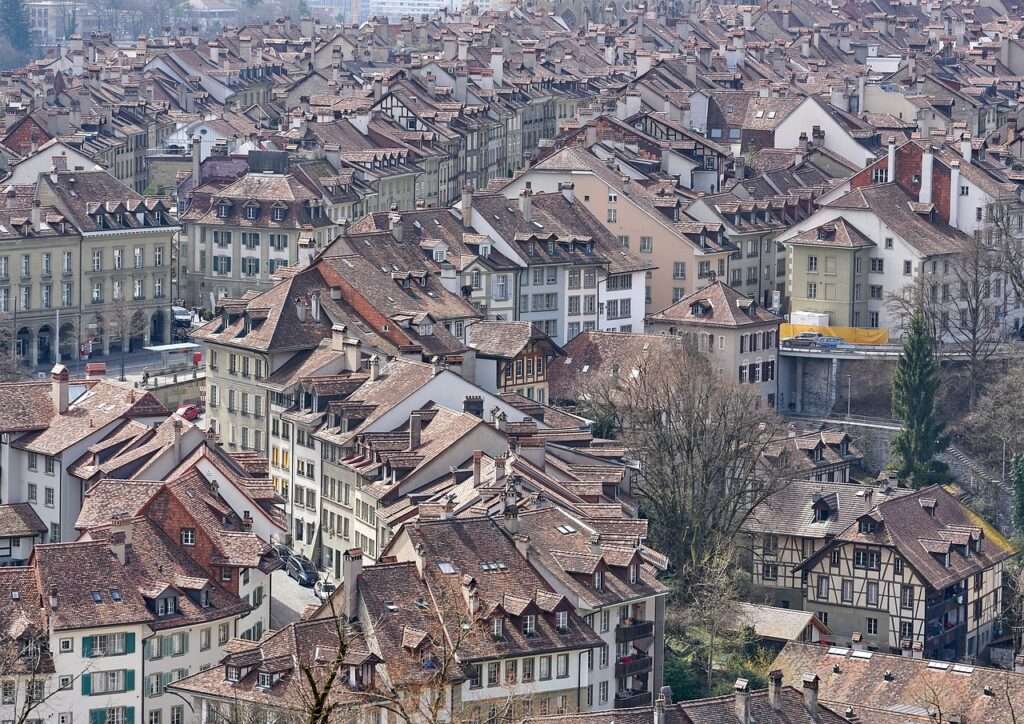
351 568
59 388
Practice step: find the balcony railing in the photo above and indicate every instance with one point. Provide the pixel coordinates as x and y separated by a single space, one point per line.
632 631
631 665
632 699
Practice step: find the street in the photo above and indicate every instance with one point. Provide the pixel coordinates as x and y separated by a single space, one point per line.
288 599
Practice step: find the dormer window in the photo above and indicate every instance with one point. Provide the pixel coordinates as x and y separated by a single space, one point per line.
264 680
529 624
439 255
252 211
497 627
485 250
223 209
231 673
634 572
562 620
867 525
598 580
188 536
822 514
818 454
204 598
278 213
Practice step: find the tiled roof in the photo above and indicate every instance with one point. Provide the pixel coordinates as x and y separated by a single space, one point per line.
501 339
719 305
21 615
838 233
904 696
25 406
771 622
20 519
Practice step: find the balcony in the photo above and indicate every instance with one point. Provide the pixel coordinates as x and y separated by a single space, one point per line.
631 699
632 665
632 631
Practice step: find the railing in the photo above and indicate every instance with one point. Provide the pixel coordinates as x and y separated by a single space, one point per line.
632 699
632 631
630 665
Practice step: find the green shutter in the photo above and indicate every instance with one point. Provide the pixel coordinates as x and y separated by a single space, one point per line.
87 646
86 684
97 716
166 646
129 715
129 680
129 643
184 643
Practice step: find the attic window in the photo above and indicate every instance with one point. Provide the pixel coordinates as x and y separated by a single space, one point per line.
264 680
278 213
822 514
231 673
565 529
115 595
771 114
759 114
866 525
252 211
97 597
446 567
439 255
223 209
15 595
599 580
492 566
205 598
562 620
390 606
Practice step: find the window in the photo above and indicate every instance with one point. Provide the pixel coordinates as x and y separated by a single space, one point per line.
872 593
493 673
907 596
48 497
822 587
679 270
847 591
879 175
872 626
527 670
613 216
562 620
771 571
906 630
562 666
812 264
867 558
647 244
529 624
545 668
812 290
188 536
908 267
877 265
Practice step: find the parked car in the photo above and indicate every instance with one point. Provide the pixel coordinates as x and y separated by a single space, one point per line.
323 589
182 317
190 412
829 342
804 339
302 570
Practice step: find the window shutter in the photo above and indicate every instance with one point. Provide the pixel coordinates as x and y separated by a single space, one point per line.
86 684
129 680
87 646
129 715
184 643
97 716
166 647
129 643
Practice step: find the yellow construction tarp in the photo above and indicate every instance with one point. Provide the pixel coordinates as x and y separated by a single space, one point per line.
853 335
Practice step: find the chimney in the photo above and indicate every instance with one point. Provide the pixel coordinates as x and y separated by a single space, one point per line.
927 160
214 53
966 151
529 58
374 368
467 205
1011 129
742 689
378 88
54 599
463 50
59 388
891 172
568 191
470 594
954 193
643 62
197 157
497 65
525 204
499 467
415 430
511 511
395 225
811 695
120 537
477 459
177 424
351 567
245 48
775 689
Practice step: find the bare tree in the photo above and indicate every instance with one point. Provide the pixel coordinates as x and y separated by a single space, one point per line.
701 442
26 667
958 297
994 430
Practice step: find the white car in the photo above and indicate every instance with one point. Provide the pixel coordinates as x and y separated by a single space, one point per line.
323 589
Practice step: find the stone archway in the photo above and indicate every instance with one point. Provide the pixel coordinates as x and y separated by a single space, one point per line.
68 343
138 330
24 346
44 345
158 327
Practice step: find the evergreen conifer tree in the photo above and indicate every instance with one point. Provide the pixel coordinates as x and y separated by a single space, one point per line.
914 385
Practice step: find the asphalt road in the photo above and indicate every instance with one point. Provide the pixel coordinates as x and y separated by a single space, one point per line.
288 599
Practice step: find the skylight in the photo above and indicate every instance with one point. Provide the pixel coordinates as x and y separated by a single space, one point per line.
565 529
446 567
492 566
115 595
15 595
759 114
97 597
